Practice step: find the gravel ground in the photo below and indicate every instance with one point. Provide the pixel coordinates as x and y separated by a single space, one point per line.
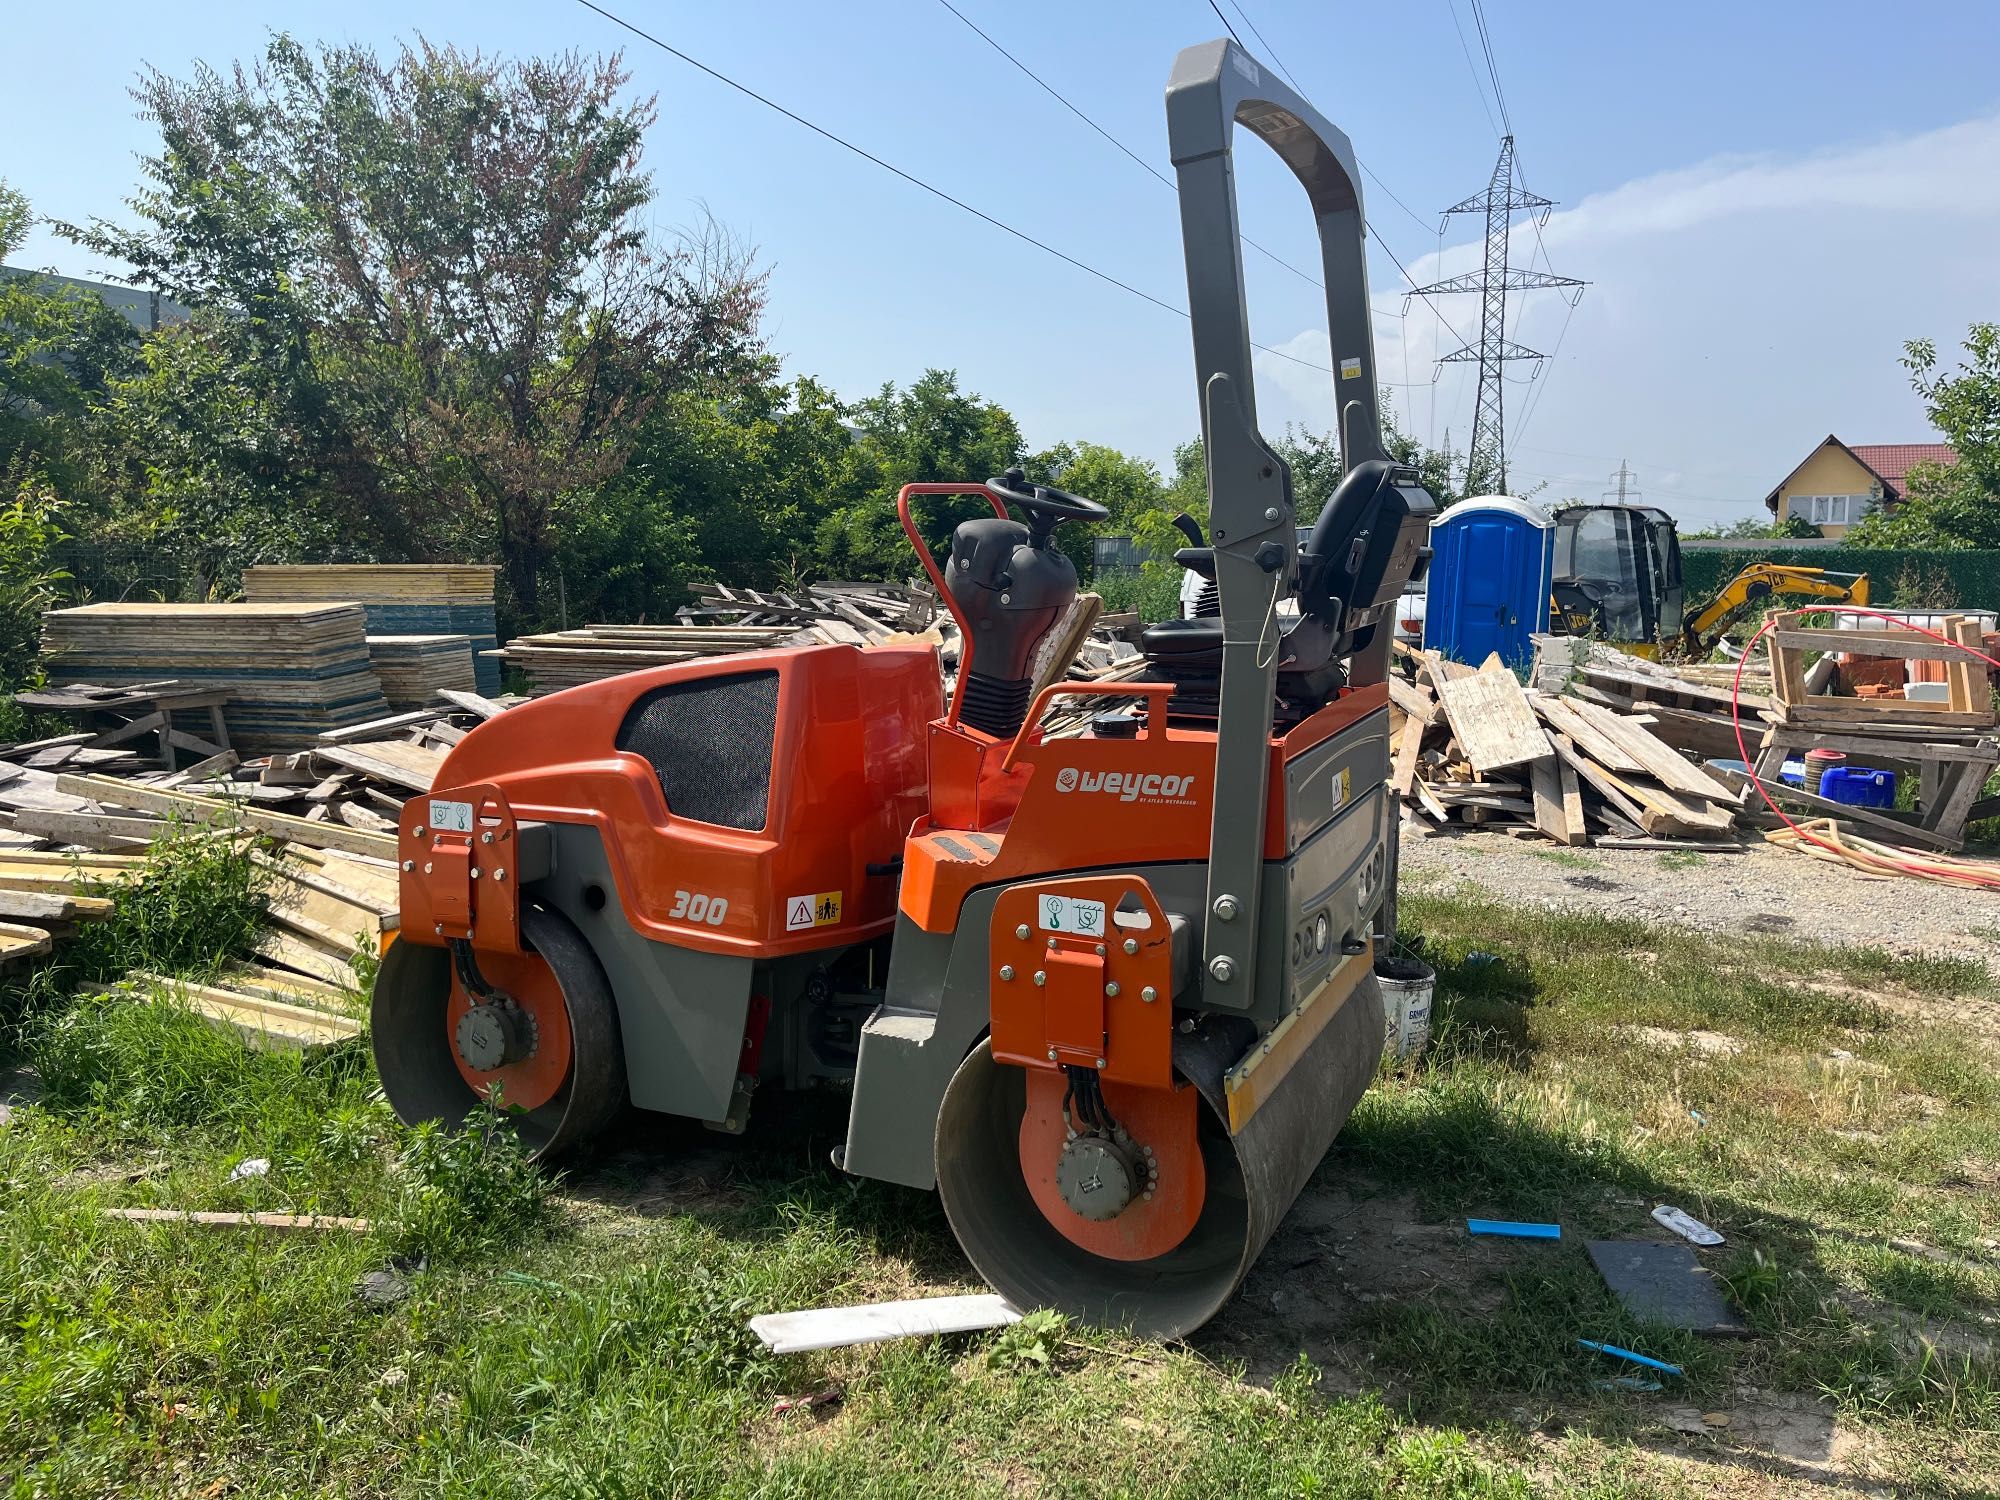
1762 889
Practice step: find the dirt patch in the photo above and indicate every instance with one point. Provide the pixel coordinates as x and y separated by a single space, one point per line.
1344 1249
1763 889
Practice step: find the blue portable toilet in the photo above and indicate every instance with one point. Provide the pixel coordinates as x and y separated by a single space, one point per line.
1491 562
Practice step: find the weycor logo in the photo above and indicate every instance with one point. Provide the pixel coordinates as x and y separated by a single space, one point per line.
1126 786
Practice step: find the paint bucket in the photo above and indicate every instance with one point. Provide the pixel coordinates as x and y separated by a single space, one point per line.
1406 986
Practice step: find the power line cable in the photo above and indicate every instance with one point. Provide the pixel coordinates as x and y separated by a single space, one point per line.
1478 84
1408 280
1492 70
914 181
1140 161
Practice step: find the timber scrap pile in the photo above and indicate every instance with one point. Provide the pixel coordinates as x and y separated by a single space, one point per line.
323 821
1474 746
722 621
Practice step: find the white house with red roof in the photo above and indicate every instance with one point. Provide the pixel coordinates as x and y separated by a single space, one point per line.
1839 483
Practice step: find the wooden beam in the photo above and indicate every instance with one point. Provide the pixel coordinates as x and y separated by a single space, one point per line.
209 810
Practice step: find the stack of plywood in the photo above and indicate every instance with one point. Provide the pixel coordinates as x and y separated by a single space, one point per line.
412 668
1477 747
292 671
401 599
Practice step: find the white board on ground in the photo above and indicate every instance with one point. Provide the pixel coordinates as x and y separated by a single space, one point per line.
837 1327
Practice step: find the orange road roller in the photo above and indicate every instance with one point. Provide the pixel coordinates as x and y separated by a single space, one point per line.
1110 994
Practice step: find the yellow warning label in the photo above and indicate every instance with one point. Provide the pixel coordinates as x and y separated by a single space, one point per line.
1343 786
822 910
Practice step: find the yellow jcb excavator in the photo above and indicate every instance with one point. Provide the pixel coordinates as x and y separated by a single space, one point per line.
1617 576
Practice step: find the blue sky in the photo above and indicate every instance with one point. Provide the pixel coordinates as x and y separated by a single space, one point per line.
1767 199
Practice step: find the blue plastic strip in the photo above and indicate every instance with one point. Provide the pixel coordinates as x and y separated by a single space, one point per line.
1638 1359
1514 1230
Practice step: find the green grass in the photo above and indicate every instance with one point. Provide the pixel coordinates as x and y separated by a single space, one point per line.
586 1336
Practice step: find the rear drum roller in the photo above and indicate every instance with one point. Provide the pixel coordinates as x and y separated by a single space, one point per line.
547 1052
1035 1244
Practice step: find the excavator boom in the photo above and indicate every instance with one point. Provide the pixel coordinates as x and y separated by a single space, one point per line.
1762 581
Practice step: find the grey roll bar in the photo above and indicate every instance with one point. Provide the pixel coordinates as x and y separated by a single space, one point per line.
1214 88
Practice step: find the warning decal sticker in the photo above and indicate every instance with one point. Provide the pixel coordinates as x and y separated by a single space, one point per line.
822 910
1067 914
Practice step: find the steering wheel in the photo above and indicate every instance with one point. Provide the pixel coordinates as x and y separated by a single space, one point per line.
1044 502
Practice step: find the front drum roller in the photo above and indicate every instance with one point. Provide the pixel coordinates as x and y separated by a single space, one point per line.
549 1055
1252 1178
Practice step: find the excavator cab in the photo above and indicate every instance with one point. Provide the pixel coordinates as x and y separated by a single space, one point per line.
1617 576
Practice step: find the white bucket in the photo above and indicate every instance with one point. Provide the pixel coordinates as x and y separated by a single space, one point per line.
1406 986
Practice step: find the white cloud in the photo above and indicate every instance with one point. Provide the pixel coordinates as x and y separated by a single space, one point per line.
1739 310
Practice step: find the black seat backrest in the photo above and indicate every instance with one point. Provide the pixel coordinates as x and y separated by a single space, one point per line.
1371 537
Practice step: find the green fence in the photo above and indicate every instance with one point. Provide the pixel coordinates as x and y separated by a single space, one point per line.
1904 579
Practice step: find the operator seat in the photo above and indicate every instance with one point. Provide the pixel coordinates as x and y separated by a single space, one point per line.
1369 541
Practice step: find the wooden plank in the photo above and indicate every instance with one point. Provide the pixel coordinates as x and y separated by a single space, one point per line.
1651 808
1546 782
1883 747
1561 716
1492 720
18 940
1788 684
208 810
838 1327
1659 760
376 728
1705 734
1413 698
203 770
236 1220
1692 846
1910 832
1863 713
37 908
1906 644
1404 773
1574 829
1970 690
294 950
1949 818
409 766
102 831
262 1022
472 703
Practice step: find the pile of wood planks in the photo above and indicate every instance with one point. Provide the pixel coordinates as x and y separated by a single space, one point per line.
291 671
399 598
1479 748
568 658
872 608
1693 709
411 668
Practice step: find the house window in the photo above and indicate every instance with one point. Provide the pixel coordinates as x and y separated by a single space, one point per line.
1831 510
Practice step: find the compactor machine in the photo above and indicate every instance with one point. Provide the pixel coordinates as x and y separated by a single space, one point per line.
1111 995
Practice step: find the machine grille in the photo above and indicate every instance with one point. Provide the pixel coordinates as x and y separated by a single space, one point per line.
709 741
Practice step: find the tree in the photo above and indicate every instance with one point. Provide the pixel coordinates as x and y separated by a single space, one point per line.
1957 505
1130 488
931 432
440 264
59 347
1753 527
